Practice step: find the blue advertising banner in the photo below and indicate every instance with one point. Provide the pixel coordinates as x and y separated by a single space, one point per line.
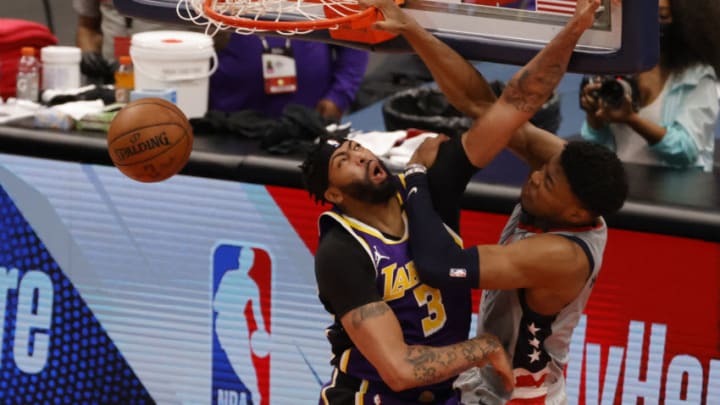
188 291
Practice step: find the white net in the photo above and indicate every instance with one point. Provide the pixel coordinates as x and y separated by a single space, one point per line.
249 17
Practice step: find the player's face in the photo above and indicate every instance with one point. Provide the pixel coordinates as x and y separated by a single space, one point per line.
547 195
357 173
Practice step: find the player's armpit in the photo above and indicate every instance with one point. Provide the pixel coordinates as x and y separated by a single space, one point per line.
534 145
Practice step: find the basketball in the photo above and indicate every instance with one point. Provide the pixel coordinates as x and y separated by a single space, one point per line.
150 140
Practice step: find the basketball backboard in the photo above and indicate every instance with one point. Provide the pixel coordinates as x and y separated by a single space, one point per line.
624 38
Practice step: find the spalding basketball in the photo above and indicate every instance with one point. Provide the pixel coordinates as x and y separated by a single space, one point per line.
150 140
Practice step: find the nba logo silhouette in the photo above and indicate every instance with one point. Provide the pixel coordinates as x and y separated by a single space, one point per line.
241 285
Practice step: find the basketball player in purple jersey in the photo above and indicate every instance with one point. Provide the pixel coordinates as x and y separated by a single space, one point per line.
395 339
538 279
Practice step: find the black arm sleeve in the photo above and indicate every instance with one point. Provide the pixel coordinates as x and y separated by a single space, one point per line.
344 272
448 177
439 261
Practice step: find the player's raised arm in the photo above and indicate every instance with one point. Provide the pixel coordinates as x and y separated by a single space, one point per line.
528 89
524 94
460 82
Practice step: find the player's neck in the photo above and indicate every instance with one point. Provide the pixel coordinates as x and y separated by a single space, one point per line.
385 217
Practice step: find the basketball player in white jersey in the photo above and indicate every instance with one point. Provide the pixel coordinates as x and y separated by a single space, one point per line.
537 280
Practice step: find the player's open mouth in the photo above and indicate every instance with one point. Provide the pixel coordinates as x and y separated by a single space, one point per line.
376 172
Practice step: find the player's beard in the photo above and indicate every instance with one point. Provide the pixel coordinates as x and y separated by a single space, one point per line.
366 191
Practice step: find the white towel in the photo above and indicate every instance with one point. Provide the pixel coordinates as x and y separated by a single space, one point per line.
379 142
402 153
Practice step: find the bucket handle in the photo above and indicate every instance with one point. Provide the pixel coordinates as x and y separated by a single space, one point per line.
213 68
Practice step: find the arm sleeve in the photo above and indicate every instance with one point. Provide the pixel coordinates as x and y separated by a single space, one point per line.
447 178
348 71
601 136
677 147
344 273
439 261
692 128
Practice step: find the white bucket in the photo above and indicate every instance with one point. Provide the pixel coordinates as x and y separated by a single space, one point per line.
61 67
175 60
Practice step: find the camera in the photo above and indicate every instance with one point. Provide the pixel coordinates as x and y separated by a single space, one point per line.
614 89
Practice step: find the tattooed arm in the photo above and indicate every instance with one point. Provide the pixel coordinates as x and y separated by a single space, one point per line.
524 94
347 287
463 86
528 90
376 332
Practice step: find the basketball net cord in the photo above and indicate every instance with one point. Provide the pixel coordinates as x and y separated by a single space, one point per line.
286 17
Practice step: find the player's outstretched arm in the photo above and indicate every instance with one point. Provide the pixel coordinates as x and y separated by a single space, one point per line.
528 90
465 88
347 284
541 261
376 333
460 82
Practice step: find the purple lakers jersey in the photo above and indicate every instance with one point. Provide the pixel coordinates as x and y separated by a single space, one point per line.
429 316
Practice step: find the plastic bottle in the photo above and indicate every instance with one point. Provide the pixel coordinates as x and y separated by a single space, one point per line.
27 84
124 80
60 67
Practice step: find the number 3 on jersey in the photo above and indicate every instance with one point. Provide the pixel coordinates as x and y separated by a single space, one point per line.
399 280
426 295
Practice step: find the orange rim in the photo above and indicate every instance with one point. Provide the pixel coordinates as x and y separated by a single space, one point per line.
288 25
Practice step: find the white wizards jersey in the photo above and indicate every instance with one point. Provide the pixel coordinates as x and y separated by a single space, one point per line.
538 344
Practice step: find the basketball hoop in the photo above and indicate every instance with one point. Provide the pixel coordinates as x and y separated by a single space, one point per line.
344 19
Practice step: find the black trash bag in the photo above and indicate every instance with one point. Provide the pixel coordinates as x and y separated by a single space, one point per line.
391 73
427 108
424 108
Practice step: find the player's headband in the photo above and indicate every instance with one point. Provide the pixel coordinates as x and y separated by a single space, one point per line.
327 148
317 164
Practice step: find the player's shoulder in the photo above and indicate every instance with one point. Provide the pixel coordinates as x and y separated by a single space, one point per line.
337 244
558 249
577 256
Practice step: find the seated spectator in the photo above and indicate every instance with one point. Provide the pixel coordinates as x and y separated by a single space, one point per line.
676 110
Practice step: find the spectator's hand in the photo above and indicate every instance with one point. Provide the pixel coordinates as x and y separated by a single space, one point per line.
588 97
328 110
426 153
394 19
622 113
96 68
590 103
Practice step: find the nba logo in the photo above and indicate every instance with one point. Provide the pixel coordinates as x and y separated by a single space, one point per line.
241 285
